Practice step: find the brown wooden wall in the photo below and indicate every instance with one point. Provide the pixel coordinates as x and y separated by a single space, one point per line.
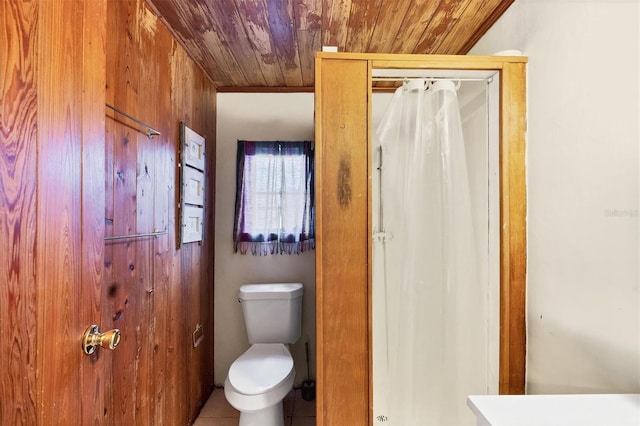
342 251
73 172
18 128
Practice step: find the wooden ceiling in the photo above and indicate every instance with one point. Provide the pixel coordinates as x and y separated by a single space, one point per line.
272 43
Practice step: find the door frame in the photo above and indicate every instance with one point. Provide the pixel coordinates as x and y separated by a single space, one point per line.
343 223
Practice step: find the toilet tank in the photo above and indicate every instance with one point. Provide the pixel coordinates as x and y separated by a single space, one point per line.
272 312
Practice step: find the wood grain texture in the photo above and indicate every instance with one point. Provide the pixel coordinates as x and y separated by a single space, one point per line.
234 38
335 20
342 256
480 30
513 247
208 129
445 18
421 13
256 43
476 18
69 175
284 40
59 227
163 246
189 23
362 21
18 138
190 282
176 341
128 265
255 19
370 226
156 286
319 159
308 21
388 24
94 370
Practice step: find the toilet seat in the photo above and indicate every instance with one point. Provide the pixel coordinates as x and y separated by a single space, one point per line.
261 368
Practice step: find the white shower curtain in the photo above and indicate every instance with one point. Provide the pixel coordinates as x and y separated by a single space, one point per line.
426 291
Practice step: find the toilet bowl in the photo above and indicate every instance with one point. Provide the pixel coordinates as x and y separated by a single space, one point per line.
257 383
263 375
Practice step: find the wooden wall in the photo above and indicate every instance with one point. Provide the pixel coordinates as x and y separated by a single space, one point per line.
342 251
71 173
149 76
18 128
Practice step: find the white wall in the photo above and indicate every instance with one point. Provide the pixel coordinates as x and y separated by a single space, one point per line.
583 183
255 116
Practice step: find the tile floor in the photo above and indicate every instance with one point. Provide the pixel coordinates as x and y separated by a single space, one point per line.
218 412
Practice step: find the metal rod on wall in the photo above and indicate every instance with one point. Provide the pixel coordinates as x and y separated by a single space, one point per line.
151 132
122 237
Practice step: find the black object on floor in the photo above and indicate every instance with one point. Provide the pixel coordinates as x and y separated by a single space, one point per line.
308 386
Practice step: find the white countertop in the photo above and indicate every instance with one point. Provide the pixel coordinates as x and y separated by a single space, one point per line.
566 410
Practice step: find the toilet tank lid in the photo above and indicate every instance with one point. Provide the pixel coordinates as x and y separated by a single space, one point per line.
270 291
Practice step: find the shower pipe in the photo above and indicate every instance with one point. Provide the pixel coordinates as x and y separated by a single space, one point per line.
380 210
380 234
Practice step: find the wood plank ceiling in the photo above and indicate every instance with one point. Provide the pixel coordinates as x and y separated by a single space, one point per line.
272 43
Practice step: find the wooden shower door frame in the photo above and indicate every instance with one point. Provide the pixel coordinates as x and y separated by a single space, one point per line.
343 224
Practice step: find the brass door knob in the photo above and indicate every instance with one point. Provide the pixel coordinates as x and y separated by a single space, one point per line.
92 338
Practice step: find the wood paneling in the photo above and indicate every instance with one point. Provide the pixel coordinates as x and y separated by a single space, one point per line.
94 370
71 173
256 43
513 246
58 219
308 22
362 20
131 82
18 147
342 243
399 33
159 293
344 229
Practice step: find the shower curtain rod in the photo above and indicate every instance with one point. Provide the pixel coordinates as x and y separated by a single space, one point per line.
487 79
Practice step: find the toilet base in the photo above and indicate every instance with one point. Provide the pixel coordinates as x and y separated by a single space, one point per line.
272 415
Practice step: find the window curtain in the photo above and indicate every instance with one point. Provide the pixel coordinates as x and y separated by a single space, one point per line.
275 203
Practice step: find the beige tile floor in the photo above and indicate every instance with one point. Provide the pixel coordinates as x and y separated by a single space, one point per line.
218 412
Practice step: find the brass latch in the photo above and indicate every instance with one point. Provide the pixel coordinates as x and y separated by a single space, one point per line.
92 338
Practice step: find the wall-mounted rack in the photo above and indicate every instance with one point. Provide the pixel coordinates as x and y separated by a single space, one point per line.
123 237
151 132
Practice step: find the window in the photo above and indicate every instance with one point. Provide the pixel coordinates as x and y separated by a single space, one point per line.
275 206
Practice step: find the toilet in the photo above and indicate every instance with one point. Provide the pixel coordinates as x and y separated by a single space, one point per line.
263 375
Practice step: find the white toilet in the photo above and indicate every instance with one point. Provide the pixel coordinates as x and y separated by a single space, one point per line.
261 377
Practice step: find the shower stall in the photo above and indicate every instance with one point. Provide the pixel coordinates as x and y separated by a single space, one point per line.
435 262
421 225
